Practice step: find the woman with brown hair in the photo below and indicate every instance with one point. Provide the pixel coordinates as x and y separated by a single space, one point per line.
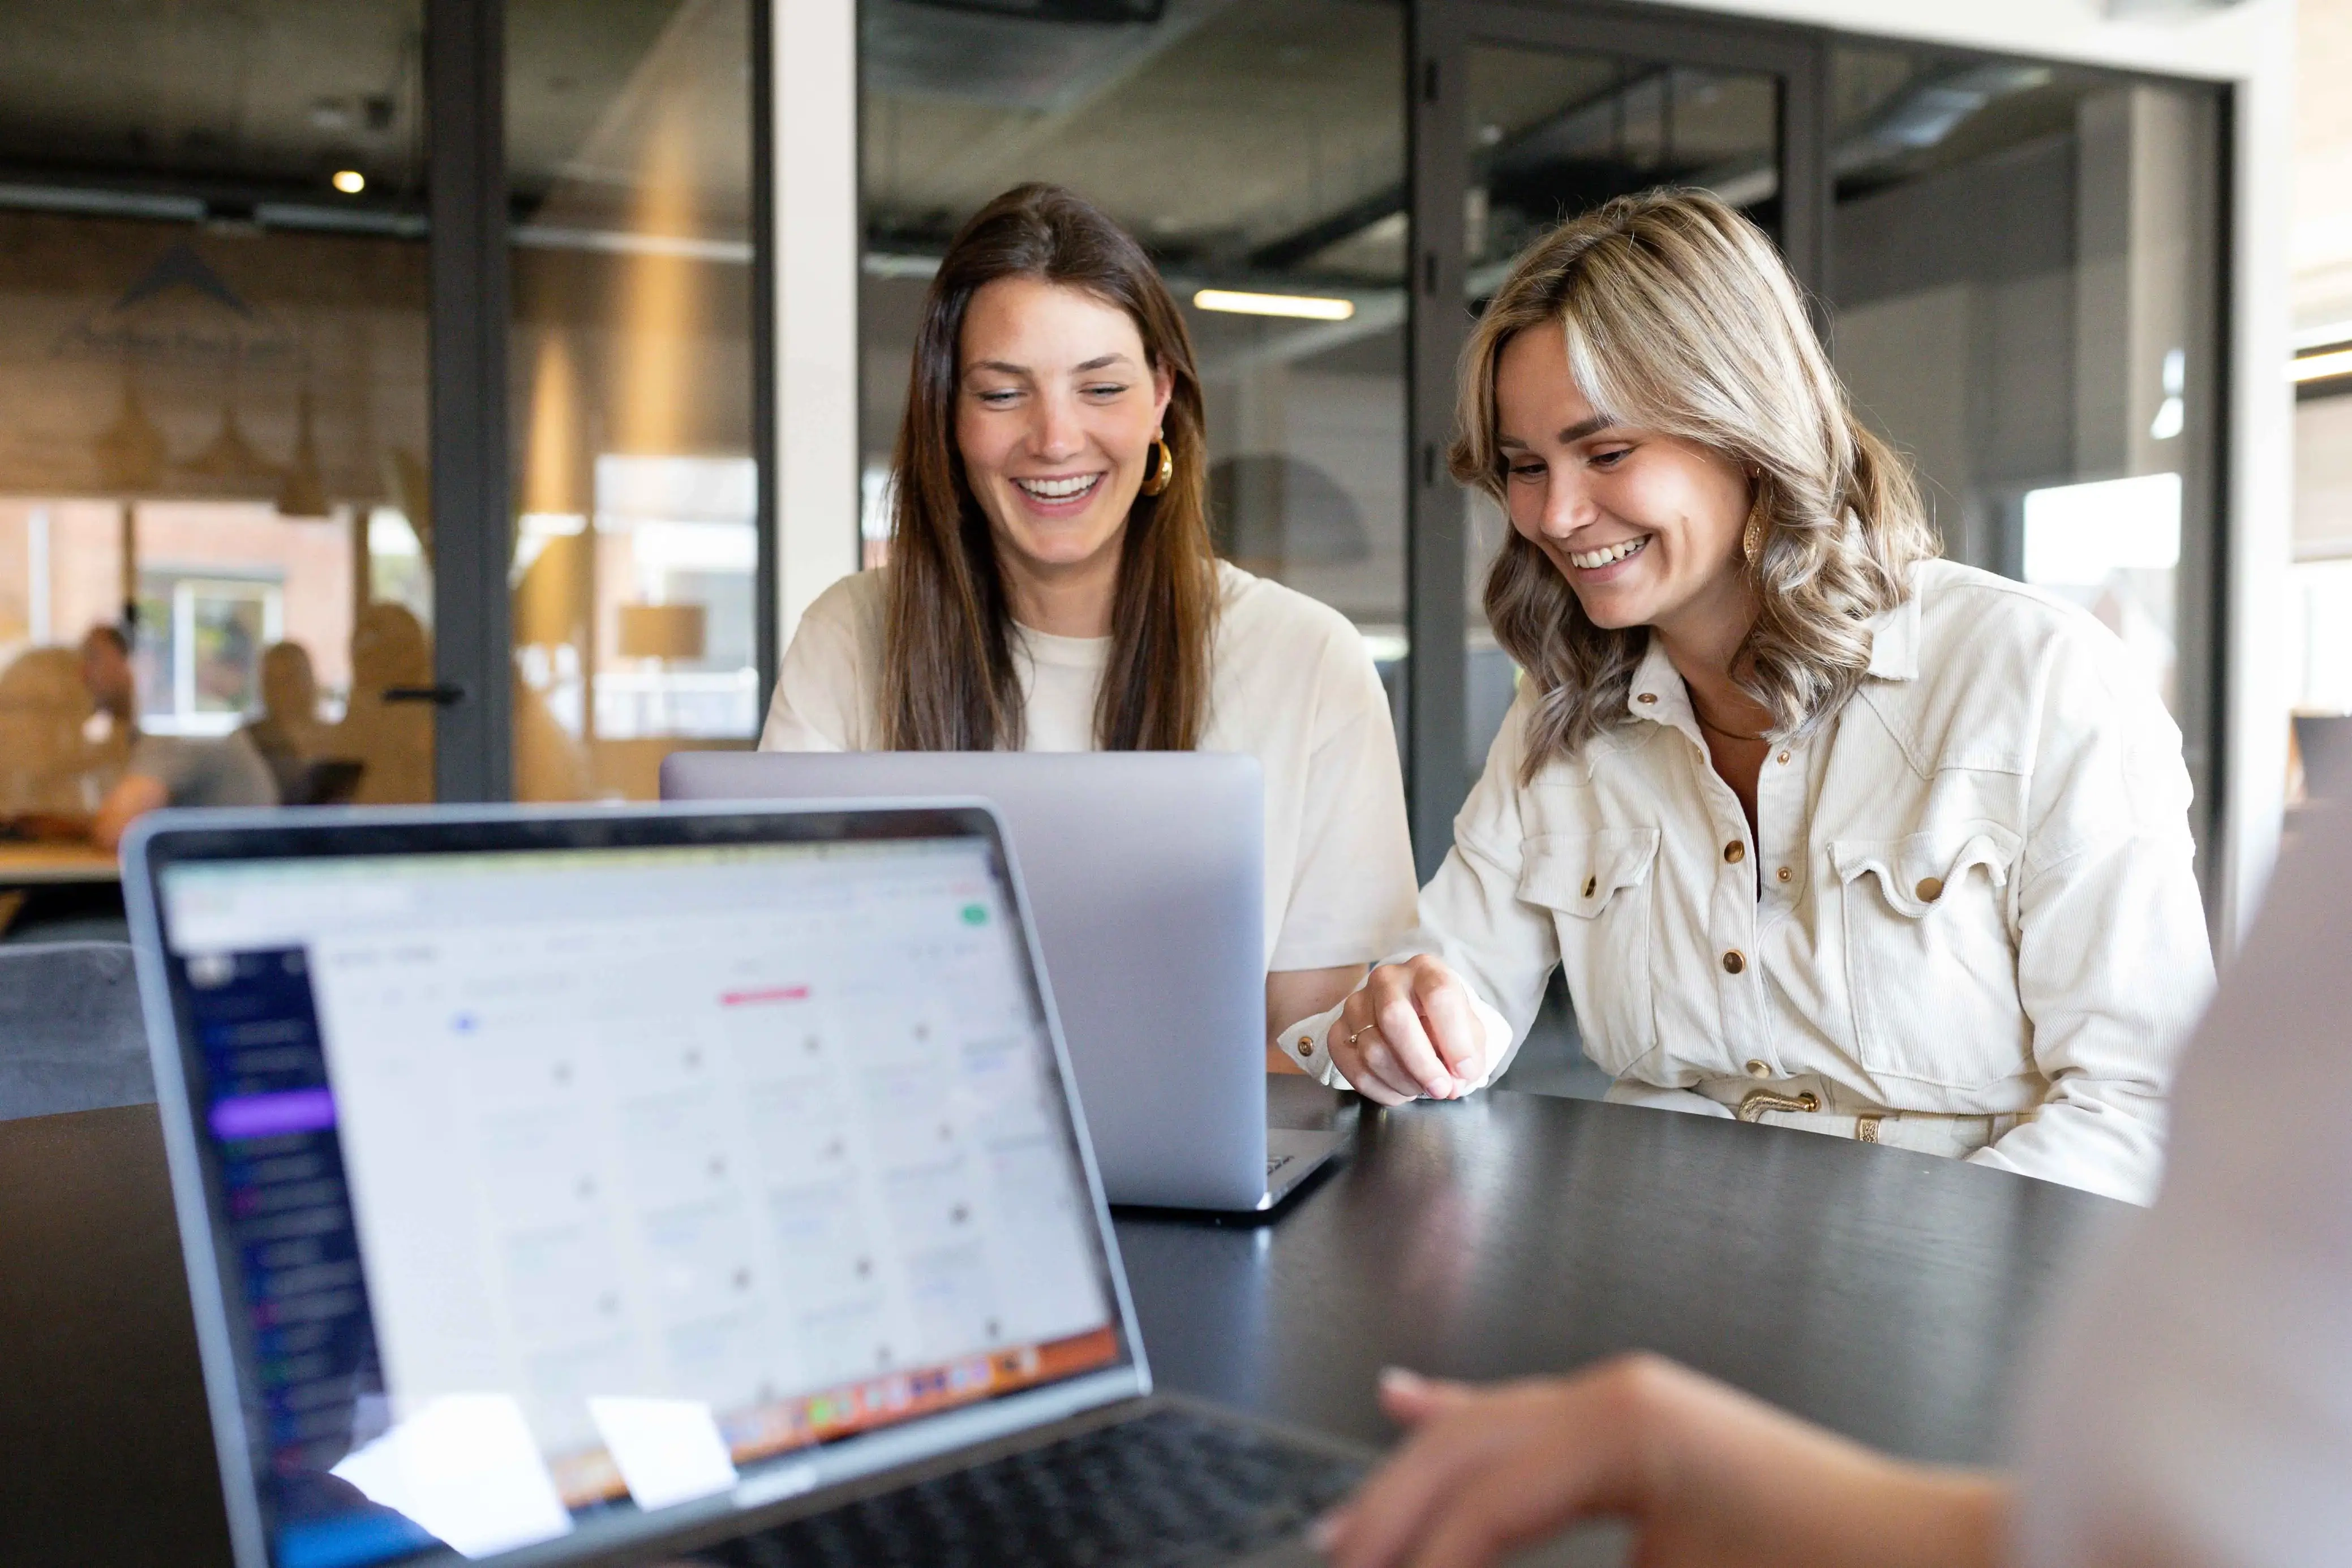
1051 585
1825 832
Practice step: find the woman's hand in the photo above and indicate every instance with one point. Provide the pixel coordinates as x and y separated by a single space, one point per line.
1294 994
1706 1476
1411 1031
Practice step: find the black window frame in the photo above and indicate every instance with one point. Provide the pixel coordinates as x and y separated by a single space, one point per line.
470 449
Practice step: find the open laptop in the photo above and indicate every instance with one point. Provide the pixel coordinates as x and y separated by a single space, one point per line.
699 1185
1146 873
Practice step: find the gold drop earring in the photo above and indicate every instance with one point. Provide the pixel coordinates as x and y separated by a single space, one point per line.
1751 538
1157 474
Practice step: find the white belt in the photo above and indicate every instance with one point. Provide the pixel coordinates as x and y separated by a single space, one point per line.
1924 1132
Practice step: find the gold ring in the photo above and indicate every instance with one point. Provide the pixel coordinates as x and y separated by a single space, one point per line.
1361 1033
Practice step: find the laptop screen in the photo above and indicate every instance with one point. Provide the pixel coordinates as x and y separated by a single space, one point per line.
557 1186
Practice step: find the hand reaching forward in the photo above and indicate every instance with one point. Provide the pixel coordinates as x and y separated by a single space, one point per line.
1409 1031
1706 1476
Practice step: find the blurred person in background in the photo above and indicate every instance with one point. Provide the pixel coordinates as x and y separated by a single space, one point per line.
391 739
287 733
51 771
162 770
106 672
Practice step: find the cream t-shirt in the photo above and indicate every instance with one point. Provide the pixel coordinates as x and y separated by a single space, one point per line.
1290 683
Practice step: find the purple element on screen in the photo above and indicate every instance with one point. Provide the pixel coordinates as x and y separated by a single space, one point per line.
273 1115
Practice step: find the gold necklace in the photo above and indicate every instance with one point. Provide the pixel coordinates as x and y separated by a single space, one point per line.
1726 733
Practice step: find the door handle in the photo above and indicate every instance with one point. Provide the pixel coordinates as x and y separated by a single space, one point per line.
447 695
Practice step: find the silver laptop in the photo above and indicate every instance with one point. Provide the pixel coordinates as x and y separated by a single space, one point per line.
1147 873
706 1184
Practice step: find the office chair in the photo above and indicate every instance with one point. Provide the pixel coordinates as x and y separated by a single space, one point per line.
71 1034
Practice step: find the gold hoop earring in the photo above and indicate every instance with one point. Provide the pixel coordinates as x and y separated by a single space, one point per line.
1158 474
1751 538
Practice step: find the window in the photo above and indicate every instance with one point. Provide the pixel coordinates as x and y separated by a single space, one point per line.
228 291
199 651
2023 274
634 572
213 347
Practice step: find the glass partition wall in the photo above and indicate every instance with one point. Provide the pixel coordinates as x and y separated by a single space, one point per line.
237 292
239 301
636 487
213 363
2016 268
2024 270
2016 265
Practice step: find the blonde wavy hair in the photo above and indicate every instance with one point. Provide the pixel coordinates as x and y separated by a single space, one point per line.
1682 319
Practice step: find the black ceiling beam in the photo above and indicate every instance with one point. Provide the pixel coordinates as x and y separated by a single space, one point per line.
1281 255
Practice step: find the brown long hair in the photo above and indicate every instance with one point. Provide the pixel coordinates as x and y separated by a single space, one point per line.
1680 317
949 681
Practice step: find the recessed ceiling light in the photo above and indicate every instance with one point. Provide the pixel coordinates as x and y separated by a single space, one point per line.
350 181
1307 306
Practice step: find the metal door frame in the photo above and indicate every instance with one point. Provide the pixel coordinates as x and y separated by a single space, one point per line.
471 384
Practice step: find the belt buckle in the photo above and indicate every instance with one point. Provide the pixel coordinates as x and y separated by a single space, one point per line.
1756 1103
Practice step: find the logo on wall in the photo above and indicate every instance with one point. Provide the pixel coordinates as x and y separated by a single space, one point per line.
182 313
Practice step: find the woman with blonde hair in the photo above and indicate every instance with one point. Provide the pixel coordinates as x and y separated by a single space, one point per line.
1826 832
1051 585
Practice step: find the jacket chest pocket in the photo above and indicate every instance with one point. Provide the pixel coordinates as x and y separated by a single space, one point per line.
1599 890
1931 967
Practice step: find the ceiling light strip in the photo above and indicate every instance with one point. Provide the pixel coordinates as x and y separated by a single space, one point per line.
2320 367
1304 306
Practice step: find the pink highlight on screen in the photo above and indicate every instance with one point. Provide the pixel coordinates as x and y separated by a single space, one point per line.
769 994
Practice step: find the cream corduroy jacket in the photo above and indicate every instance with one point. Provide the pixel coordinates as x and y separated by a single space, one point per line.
1972 892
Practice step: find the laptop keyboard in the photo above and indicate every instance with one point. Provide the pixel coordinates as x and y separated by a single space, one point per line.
1164 1490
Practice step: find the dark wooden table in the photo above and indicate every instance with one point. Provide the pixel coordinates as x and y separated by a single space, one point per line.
1885 1294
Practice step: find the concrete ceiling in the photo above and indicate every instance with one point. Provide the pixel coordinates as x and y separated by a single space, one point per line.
265 100
1240 136
1227 128
1267 137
